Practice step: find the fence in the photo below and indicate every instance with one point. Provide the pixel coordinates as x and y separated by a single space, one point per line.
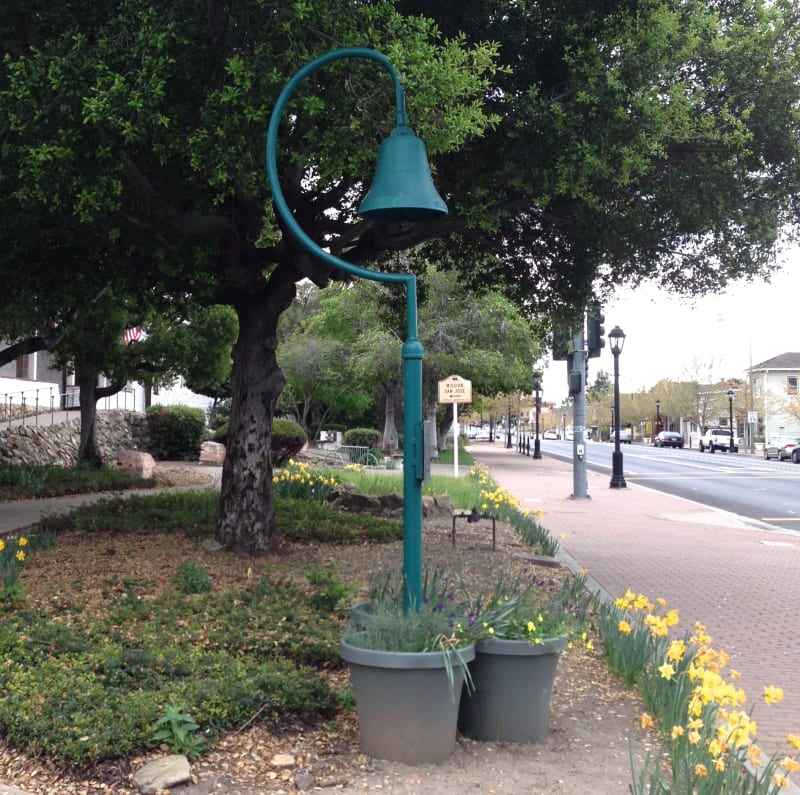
34 406
356 454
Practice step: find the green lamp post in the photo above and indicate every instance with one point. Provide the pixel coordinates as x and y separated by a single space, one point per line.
402 190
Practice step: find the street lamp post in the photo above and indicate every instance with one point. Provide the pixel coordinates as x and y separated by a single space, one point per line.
402 190
617 338
658 417
730 417
537 385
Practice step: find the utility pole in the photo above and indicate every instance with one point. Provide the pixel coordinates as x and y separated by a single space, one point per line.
577 388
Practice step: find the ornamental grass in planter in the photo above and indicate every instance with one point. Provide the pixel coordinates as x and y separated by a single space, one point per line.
520 634
407 669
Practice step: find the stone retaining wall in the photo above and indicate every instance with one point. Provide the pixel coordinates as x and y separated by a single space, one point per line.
34 445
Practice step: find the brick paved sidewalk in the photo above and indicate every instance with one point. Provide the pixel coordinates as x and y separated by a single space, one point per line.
733 574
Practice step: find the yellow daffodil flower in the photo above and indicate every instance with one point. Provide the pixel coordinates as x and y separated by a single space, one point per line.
667 671
773 695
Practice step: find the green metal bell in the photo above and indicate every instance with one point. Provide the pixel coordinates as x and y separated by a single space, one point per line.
402 189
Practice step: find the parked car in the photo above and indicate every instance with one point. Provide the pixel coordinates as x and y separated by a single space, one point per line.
782 448
624 436
551 433
668 439
718 439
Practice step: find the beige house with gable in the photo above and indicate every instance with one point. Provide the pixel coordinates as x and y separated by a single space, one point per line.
774 386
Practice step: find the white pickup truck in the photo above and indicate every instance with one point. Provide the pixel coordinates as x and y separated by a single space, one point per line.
718 439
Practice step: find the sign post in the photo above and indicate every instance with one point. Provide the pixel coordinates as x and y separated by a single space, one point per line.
455 389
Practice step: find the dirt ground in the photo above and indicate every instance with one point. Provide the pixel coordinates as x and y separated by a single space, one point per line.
594 726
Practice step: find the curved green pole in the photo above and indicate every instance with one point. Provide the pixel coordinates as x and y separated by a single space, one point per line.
412 347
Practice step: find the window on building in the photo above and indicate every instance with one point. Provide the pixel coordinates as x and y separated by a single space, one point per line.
791 384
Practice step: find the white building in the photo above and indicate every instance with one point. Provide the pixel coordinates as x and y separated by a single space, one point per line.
774 387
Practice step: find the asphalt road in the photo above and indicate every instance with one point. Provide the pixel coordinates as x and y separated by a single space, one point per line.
744 484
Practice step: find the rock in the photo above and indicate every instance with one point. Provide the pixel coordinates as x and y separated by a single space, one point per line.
212 453
304 781
163 773
282 761
211 545
137 463
540 560
440 507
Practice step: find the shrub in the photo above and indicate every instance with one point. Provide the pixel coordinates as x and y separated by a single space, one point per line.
191 578
288 439
363 437
176 432
221 433
219 413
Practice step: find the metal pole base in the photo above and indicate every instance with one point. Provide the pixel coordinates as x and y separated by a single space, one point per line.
617 478
537 453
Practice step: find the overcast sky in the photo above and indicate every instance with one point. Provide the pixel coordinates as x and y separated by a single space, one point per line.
664 334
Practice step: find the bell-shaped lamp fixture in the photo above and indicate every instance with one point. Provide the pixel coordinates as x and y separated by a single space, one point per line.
402 190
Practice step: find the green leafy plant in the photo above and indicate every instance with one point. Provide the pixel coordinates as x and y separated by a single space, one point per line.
288 439
519 610
178 730
176 432
13 551
496 501
330 590
54 481
709 737
191 578
441 622
301 481
363 437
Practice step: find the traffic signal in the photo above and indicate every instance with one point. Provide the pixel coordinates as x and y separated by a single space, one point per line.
562 343
595 331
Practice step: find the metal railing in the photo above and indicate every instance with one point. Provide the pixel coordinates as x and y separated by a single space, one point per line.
48 405
356 454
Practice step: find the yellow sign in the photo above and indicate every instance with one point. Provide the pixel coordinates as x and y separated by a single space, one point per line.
455 389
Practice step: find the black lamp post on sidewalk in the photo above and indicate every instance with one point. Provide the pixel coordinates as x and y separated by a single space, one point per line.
730 417
617 338
537 385
658 417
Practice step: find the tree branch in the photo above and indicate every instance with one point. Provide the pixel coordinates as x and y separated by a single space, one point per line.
193 225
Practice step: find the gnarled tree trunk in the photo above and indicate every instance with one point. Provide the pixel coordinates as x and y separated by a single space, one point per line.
246 521
89 393
390 440
431 406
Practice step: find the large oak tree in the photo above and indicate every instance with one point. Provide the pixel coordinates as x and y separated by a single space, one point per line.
635 139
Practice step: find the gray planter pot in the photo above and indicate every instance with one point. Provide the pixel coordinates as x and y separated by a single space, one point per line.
407 709
513 682
361 615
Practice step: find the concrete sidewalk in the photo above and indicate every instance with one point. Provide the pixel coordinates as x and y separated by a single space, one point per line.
737 576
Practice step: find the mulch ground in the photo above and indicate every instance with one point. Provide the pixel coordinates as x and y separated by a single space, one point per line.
291 756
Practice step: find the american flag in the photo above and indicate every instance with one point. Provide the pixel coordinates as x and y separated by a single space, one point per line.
132 335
